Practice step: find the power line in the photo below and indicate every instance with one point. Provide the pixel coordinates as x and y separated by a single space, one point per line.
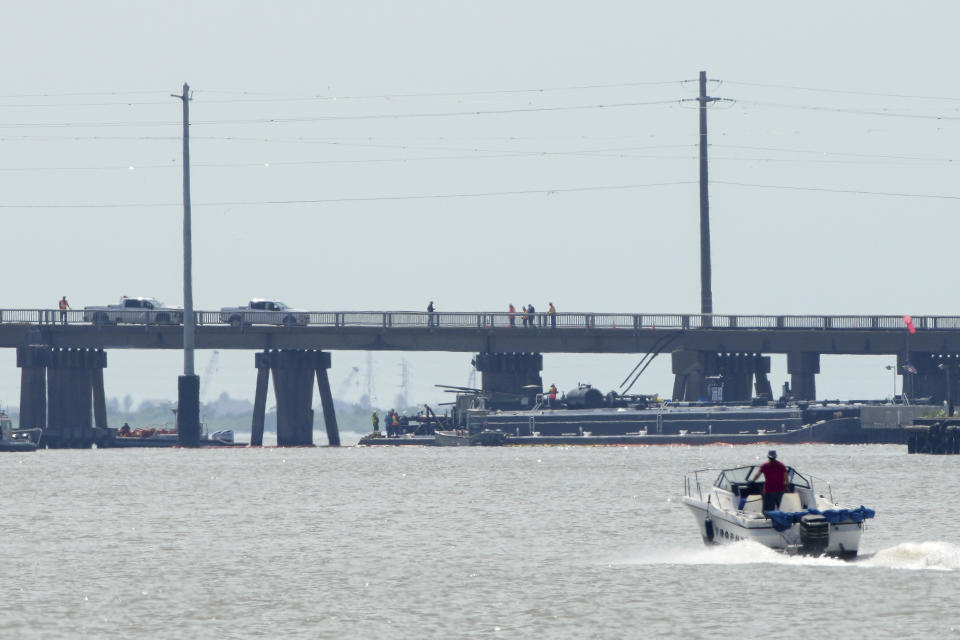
281 98
834 153
329 118
842 91
518 155
442 196
283 163
76 94
54 105
343 140
440 94
548 191
831 190
443 114
76 138
825 161
867 112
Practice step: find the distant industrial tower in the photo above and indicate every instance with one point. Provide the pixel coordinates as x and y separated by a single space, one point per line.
472 378
401 399
366 400
213 365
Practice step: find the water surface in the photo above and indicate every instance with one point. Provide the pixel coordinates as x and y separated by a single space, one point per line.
410 542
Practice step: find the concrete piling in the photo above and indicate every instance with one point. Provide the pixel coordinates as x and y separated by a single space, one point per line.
803 367
934 436
293 373
60 391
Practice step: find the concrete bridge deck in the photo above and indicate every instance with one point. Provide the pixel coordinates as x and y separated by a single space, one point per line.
492 332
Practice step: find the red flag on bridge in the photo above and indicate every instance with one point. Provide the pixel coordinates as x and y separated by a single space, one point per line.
909 322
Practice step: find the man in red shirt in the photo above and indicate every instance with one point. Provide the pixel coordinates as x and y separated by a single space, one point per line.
775 481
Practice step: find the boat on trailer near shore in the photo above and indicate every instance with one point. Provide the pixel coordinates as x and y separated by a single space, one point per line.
727 506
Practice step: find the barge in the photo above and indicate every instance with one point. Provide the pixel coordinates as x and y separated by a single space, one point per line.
649 421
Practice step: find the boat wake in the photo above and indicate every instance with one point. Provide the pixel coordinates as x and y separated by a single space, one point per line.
745 552
930 556
933 556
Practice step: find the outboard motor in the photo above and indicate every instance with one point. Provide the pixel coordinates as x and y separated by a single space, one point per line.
814 534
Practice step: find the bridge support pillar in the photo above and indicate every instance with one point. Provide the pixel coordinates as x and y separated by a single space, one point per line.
761 381
259 405
738 371
510 378
33 386
690 370
803 366
934 370
62 390
188 410
293 374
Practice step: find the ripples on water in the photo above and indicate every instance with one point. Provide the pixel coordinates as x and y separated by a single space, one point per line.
545 542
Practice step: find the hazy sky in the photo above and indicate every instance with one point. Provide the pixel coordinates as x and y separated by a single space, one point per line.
325 133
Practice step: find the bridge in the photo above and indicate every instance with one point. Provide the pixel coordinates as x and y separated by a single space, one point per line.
63 354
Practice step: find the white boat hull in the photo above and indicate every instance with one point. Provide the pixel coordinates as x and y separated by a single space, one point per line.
726 527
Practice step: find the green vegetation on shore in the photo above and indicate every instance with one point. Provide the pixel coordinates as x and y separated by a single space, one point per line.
228 413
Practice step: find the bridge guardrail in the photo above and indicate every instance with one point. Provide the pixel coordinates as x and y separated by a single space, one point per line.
487 320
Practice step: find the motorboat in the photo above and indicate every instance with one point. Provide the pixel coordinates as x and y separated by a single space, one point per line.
153 437
16 439
727 506
460 438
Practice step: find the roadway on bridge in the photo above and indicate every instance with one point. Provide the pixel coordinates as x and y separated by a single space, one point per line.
492 332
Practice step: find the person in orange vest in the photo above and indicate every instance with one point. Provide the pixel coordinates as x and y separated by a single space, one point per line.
64 305
395 421
552 395
552 312
513 315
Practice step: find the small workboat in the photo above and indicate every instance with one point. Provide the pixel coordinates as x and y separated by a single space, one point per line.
16 439
153 437
727 506
461 438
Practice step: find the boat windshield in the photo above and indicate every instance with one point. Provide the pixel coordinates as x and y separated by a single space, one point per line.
798 480
728 478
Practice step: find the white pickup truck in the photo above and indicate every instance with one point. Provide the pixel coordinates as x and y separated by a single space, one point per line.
134 311
259 311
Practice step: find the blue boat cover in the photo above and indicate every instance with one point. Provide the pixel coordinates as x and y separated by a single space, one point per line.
783 520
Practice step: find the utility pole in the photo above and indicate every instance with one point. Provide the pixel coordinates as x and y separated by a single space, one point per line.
706 287
188 385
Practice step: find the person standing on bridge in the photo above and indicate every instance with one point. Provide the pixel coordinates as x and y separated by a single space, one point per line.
430 308
511 310
523 315
530 315
64 305
552 312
